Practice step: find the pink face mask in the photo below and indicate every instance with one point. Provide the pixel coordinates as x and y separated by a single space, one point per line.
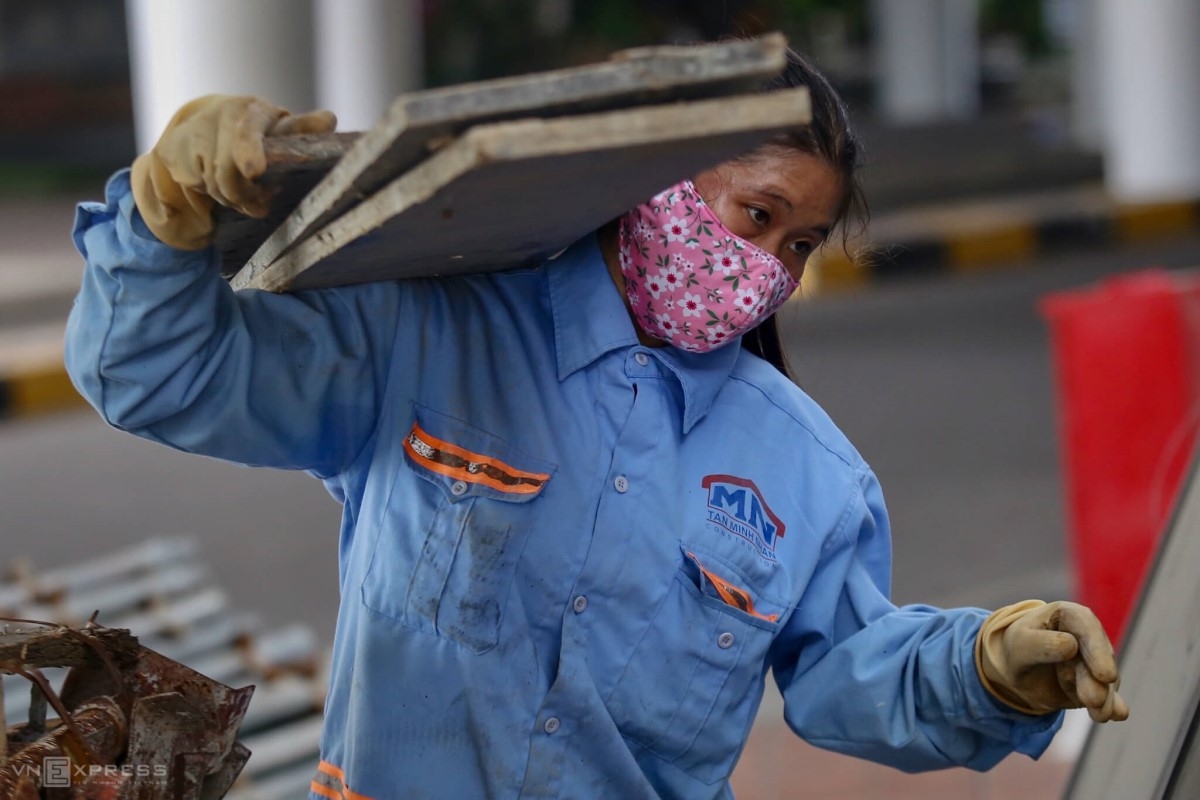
691 282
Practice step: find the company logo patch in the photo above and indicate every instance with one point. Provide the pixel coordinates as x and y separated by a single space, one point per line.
735 505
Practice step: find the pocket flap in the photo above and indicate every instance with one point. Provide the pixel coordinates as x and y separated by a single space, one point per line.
468 462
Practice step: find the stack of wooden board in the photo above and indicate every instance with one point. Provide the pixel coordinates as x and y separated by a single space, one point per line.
498 174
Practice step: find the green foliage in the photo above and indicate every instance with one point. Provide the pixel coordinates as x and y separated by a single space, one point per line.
1020 18
471 39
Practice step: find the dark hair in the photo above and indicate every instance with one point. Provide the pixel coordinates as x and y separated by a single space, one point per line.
829 136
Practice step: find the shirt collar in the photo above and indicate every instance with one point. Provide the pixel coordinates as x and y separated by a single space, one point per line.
590 319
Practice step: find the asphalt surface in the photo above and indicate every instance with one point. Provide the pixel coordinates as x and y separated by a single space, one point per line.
944 385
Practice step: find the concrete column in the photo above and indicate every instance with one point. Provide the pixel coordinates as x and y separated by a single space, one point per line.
181 49
926 59
1150 72
368 51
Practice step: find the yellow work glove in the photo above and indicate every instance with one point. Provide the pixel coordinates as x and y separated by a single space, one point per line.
211 152
1041 657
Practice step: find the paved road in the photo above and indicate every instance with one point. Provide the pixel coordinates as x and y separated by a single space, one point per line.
945 386
947 389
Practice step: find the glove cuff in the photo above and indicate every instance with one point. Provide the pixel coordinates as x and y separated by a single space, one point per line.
989 647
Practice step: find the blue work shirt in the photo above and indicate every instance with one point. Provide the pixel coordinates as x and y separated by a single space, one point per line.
567 561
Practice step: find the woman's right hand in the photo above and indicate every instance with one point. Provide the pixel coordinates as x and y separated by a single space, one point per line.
211 152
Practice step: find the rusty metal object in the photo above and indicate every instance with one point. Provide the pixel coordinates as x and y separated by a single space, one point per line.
131 723
162 591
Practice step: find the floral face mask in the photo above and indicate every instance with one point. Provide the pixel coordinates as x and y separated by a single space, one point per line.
689 280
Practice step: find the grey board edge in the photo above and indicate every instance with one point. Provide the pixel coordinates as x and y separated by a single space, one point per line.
1144 756
748 118
633 77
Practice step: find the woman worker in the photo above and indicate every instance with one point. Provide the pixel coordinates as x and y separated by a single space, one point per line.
582 516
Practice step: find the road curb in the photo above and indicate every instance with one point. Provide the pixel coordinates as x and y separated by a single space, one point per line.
1004 235
37 390
33 377
963 239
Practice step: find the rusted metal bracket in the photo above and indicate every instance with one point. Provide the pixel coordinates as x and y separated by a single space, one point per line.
132 724
161 591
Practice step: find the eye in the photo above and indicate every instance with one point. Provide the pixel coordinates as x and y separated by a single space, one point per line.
802 249
759 216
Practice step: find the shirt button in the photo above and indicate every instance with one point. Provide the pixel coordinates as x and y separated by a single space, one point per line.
551 725
642 359
580 604
621 484
458 488
725 640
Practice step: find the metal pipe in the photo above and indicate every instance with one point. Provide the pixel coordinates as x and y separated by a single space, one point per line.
292 645
286 785
279 747
176 617
149 555
210 633
284 698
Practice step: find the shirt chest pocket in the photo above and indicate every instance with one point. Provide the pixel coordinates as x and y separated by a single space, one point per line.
692 685
454 527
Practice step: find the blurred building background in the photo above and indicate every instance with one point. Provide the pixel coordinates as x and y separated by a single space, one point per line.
1028 92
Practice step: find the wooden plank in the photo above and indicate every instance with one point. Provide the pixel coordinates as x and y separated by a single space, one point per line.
418 122
295 164
513 193
1153 754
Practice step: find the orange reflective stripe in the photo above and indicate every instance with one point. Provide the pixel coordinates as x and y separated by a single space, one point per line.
324 791
476 468
732 595
340 791
461 474
442 444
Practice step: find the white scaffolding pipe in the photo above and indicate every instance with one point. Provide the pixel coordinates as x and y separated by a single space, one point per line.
181 49
367 52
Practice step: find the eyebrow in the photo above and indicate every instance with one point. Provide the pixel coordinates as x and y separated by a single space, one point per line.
777 196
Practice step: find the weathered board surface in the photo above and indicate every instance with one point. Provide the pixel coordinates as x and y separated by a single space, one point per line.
295 164
1155 754
511 193
419 122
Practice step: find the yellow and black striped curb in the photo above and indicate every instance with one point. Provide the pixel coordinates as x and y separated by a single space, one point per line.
42 386
37 390
1005 242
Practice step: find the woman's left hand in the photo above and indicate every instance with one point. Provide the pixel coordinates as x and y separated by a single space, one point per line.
1041 657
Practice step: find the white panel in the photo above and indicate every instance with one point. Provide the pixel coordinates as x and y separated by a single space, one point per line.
1160 674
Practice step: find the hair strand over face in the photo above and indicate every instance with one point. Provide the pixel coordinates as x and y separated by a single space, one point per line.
829 137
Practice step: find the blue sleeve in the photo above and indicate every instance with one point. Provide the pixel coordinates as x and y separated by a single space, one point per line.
893 685
161 345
